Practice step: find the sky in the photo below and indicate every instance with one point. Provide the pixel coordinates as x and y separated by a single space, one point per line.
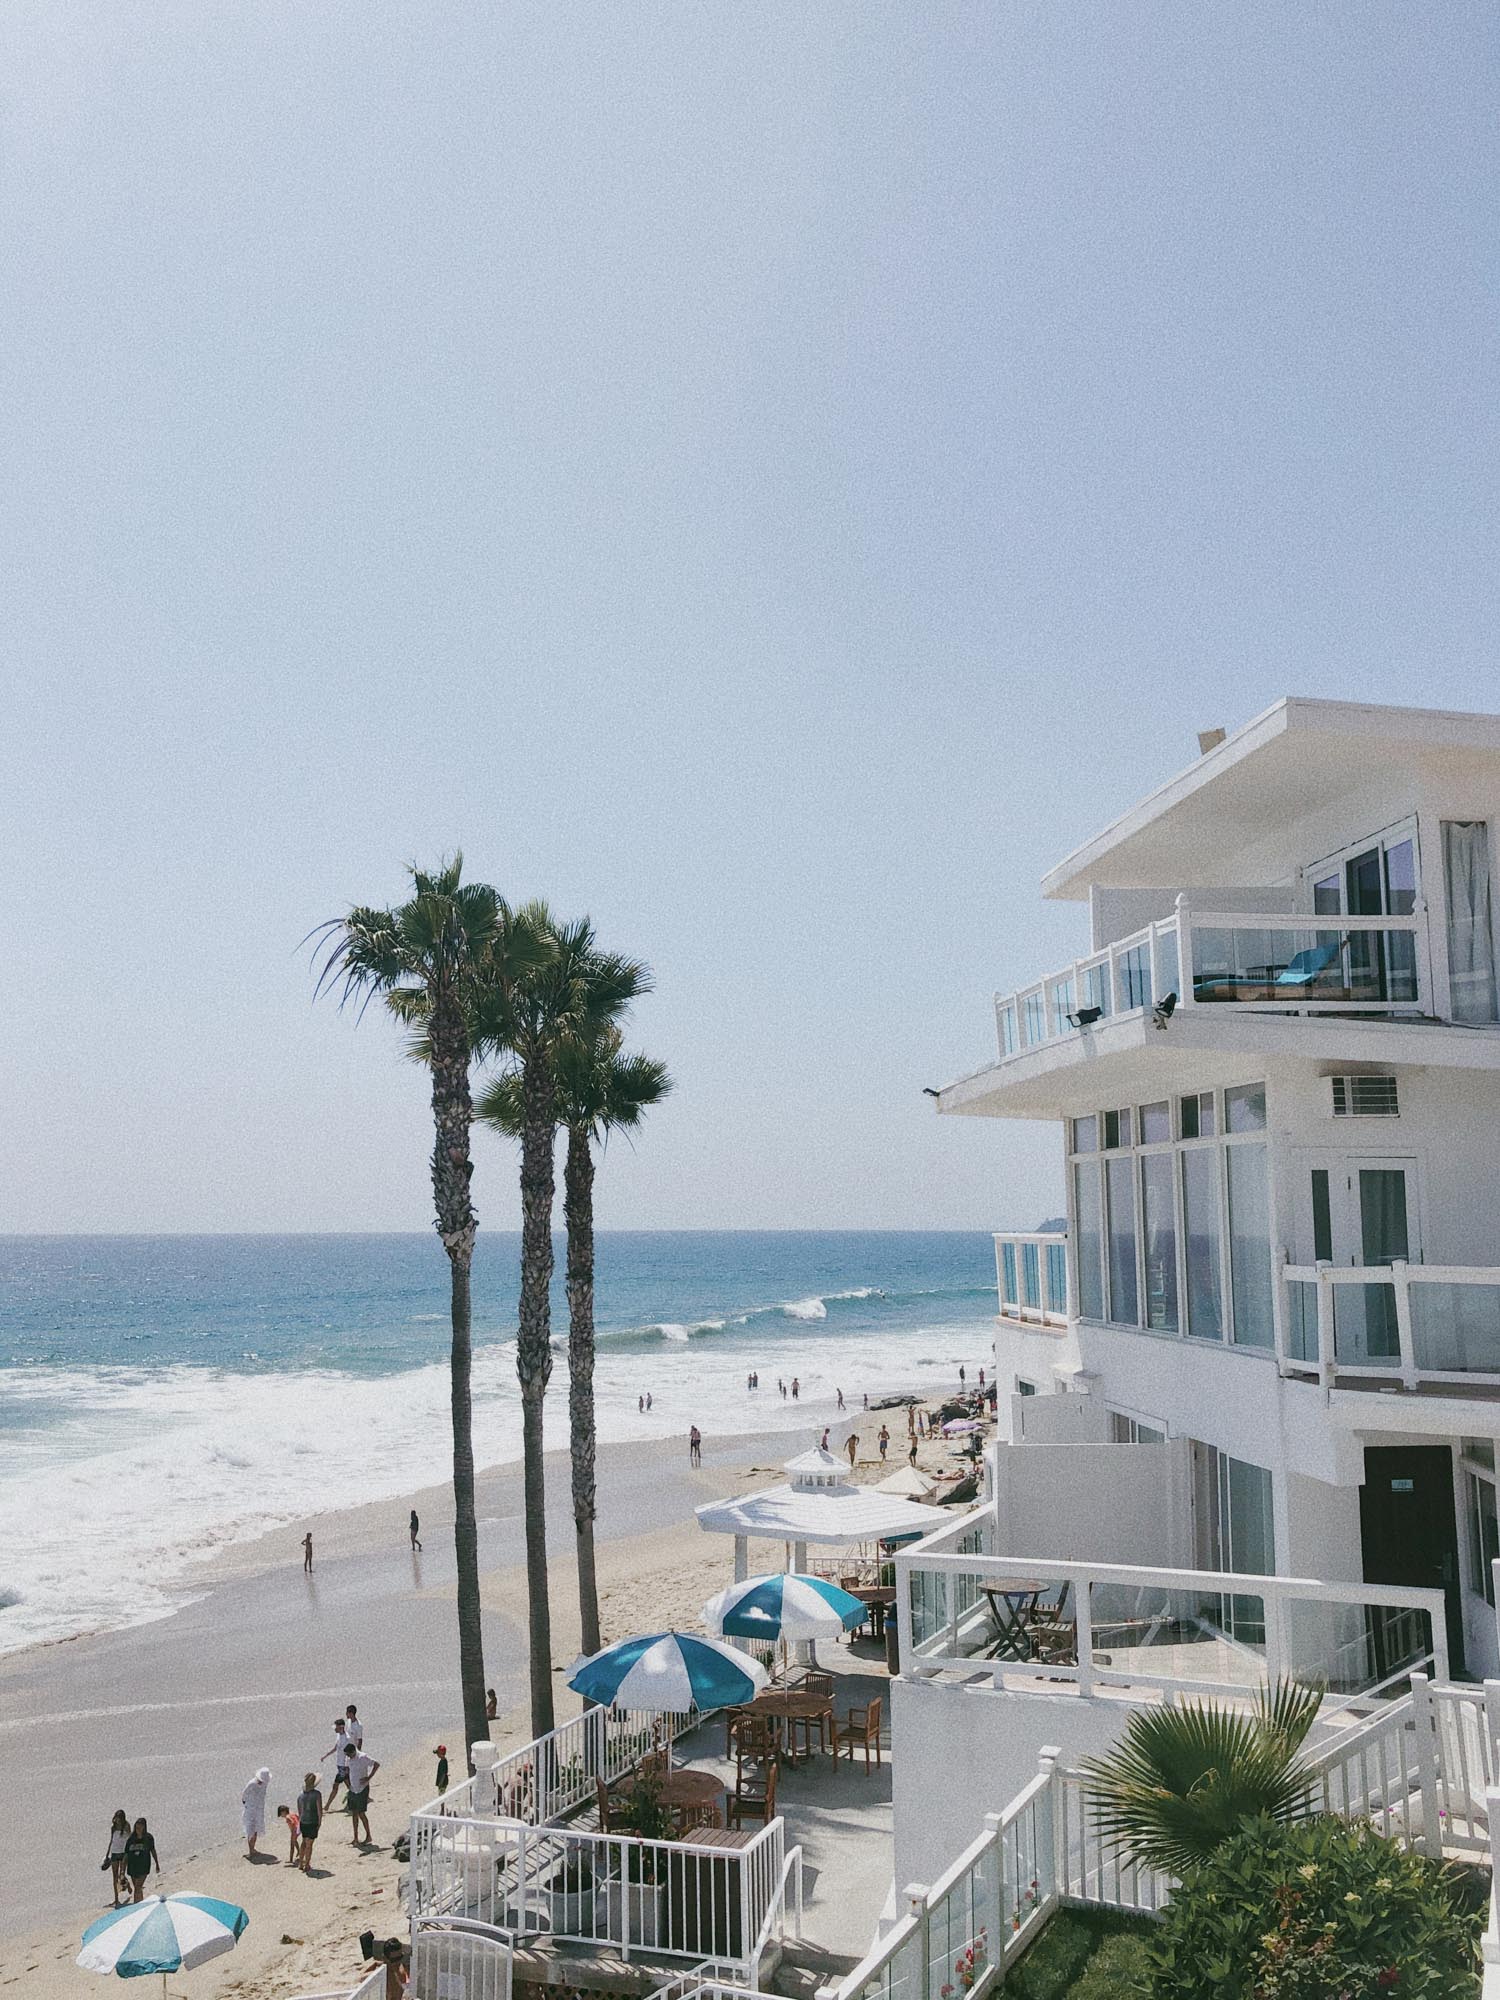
772 477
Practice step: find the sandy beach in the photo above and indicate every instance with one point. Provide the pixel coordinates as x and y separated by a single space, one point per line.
169 1719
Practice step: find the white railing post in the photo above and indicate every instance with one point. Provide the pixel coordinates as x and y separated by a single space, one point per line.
1492 1732
1279 1313
1424 1722
484 1757
916 1905
1401 1286
1278 1662
1056 1828
1326 1361
1184 953
1492 1929
1083 1608
905 1649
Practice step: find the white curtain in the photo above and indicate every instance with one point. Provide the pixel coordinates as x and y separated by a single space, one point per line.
1471 949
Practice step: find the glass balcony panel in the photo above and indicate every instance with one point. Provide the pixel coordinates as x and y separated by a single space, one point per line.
1031 1275
1182 1635
1096 988
1009 1292
1133 978
1364 1326
1354 1648
1010 1039
1062 1005
1168 969
1455 1329
1057 1277
1302 966
1302 1319
1034 1019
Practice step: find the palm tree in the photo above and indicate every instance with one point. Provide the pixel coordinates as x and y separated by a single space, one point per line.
599 1091
430 958
530 1021
1183 1779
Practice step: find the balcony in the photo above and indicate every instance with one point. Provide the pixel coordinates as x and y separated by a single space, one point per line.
1028 1622
1032 1270
1433 1327
1283 962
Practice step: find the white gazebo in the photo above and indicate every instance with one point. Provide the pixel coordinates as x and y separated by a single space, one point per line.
815 1504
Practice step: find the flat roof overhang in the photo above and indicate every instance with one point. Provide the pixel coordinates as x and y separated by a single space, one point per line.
1192 832
1131 1061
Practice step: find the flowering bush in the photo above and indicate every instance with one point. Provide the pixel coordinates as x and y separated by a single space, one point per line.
968 1966
1317 1910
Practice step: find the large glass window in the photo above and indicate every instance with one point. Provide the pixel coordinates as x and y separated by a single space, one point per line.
1484 1533
1156 1123
1250 1246
1120 1181
1245 1108
1086 1135
1159 1214
1088 1232
1200 1215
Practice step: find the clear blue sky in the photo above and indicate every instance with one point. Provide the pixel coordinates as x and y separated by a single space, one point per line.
772 476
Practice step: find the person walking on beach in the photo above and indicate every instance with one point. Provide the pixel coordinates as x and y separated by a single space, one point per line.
309 1819
823 1441
140 1858
361 1770
884 1441
441 1753
340 1752
962 1377
911 1452
415 1524
981 1381
114 1854
796 1388
840 1394
288 1816
640 1404
354 1729
695 1446
307 1553
648 1399
851 1445
253 1807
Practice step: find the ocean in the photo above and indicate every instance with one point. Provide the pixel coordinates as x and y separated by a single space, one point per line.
163 1397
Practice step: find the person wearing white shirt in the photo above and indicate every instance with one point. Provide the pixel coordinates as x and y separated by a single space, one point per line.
340 1755
361 1770
253 1806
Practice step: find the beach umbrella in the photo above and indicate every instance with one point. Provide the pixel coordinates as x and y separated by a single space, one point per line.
961 1427
667 1674
161 1934
909 1483
783 1605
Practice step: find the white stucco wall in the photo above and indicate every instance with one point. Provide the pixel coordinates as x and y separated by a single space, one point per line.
1108 1503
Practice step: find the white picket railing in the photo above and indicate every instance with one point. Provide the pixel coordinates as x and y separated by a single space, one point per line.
1191 1631
451 1956
554 1775
1290 960
674 1898
371 1987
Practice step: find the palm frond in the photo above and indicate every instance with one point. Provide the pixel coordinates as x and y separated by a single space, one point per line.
500 1105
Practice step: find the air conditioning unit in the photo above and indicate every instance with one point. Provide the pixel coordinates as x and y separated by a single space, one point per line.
1365 1097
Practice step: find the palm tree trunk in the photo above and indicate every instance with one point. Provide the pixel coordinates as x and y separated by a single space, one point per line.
452 1167
534 1363
578 1207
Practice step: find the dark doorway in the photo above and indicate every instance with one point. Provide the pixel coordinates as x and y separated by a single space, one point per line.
1409 1535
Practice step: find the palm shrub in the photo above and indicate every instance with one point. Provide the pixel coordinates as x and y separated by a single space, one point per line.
1183 1779
1316 1910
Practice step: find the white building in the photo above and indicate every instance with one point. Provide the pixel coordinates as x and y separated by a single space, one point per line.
1269 1341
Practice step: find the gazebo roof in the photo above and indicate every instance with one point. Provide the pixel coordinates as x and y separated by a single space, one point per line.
842 1513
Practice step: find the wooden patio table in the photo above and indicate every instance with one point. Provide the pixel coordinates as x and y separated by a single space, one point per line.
684 1786
785 1705
879 1597
1012 1601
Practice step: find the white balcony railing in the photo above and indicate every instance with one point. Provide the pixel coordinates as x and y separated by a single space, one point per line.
1287 961
1180 1630
1032 1270
1412 1325
671 1898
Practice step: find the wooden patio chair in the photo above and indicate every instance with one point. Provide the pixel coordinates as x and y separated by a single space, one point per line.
820 1685
753 1739
861 1726
685 1818
1051 1634
754 1797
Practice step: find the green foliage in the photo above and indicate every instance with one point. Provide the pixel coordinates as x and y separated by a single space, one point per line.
1182 1779
1084 1955
1321 1910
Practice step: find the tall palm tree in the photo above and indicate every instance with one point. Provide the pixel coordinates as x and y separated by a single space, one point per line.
599 1091
1184 1779
528 1023
431 958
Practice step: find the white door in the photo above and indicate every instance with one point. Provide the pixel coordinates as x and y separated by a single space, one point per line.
1360 1210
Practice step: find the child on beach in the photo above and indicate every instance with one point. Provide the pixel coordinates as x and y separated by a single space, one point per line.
441 1754
114 1854
491 1705
294 1833
309 1817
140 1858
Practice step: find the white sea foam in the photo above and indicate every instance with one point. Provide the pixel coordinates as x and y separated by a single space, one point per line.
129 1477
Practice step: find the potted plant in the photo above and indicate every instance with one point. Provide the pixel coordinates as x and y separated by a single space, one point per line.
640 1897
570 1894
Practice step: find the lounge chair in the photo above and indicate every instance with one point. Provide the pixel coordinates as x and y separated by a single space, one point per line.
1304 969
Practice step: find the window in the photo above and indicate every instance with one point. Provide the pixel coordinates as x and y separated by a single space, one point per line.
1086 1135
1130 1430
1120 1186
1156 1124
1250 1246
1195 1116
1116 1129
1088 1220
1200 1225
1025 1388
1484 1533
1245 1108
1159 1215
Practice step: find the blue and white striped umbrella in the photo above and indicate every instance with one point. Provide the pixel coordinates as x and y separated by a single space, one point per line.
783 1605
161 1934
667 1674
